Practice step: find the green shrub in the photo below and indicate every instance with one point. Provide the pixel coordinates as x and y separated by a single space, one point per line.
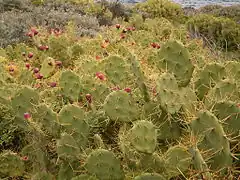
162 8
223 32
232 12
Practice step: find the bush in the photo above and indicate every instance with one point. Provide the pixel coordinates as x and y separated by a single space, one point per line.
15 24
162 8
232 12
223 32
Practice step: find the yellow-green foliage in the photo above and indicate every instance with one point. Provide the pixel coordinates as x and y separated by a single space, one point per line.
161 8
223 32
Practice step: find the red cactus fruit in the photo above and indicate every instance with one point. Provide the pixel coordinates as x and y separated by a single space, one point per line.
30 55
128 90
24 158
58 63
153 44
35 70
158 46
52 84
98 57
27 65
89 98
118 26
27 115
38 76
100 76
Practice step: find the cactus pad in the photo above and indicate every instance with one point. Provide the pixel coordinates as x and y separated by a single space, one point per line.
173 57
177 160
212 138
47 67
224 90
228 113
11 165
208 77
150 176
70 85
72 118
67 147
169 93
143 136
104 165
117 70
24 102
119 106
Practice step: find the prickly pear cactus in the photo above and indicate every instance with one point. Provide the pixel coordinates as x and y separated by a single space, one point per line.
84 177
208 77
143 136
42 176
104 165
199 164
212 138
117 70
119 106
169 93
70 85
233 70
47 120
228 113
189 101
72 118
150 176
173 57
224 90
47 67
67 147
152 163
23 102
11 165
135 66
177 160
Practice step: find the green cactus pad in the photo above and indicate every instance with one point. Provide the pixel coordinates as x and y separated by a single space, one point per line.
143 136
233 70
212 138
173 57
151 163
98 90
104 165
208 77
42 176
199 164
72 118
178 160
67 147
70 85
11 165
224 90
170 130
84 177
23 102
47 119
117 70
169 93
228 113
135 66
150 176
26 77
119 106
47 67
189 101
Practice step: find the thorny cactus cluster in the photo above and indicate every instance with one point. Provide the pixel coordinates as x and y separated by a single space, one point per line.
112 108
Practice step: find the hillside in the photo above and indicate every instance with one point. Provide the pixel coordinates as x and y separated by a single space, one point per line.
103 91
